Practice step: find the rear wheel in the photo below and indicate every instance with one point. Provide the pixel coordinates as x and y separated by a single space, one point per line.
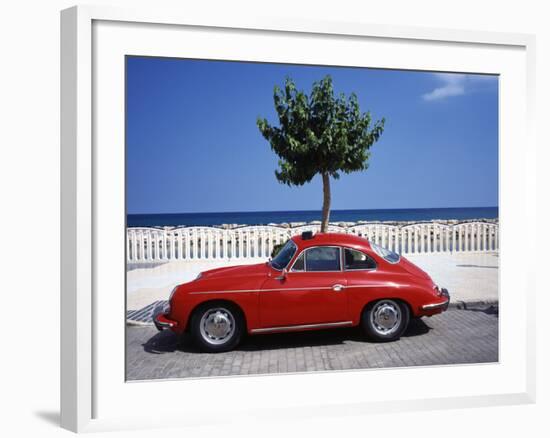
385 320
217 327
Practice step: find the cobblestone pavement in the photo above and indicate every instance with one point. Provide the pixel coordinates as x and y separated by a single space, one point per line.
454 337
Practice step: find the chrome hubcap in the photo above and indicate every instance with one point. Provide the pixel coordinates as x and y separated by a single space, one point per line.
385 317
217 325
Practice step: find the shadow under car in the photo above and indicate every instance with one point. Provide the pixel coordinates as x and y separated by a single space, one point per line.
168 342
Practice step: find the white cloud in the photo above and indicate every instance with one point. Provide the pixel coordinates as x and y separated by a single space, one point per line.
443 92
454 84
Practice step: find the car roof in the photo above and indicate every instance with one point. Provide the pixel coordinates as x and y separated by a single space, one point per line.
340 239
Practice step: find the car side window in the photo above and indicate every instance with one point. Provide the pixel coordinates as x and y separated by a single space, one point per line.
299 265
357 260
322 258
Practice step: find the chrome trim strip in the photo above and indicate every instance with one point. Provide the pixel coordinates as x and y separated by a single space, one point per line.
288 289
434 305
255 290
300 327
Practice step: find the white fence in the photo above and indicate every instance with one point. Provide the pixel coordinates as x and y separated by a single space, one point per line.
146 245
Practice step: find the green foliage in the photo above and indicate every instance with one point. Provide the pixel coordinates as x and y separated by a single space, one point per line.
277 249
320 133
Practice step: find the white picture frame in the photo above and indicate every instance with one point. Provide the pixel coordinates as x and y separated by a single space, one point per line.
94 395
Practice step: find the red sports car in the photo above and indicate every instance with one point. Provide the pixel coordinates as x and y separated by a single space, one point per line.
315 282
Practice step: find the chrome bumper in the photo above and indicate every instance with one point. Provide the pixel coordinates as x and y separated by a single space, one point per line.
160 320
442 305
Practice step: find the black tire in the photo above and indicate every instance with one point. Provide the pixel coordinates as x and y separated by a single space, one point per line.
385 320
229 326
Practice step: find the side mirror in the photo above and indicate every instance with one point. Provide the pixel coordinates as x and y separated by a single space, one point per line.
282 277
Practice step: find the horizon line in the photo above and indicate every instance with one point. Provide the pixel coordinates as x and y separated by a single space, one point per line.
314 211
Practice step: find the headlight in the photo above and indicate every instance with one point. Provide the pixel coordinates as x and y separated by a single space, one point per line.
166 306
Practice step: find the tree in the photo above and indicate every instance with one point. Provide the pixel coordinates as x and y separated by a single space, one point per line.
319 134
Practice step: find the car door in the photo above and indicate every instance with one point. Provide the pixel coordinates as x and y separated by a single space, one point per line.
313 291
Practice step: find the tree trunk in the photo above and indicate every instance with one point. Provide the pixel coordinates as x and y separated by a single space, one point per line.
326 202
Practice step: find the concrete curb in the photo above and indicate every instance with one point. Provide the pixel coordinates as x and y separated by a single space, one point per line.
465 305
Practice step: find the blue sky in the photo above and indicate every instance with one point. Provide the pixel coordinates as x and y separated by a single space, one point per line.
192 144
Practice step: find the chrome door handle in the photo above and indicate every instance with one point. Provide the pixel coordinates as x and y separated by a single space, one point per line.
337 287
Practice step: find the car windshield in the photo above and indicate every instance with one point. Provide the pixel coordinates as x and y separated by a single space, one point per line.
282 259
385 253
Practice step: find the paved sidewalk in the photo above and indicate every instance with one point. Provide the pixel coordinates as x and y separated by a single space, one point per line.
454 337
469 277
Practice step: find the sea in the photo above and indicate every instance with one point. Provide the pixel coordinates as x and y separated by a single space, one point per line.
277 217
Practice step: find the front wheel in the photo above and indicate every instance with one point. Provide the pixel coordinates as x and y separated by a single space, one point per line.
217 327
385 320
